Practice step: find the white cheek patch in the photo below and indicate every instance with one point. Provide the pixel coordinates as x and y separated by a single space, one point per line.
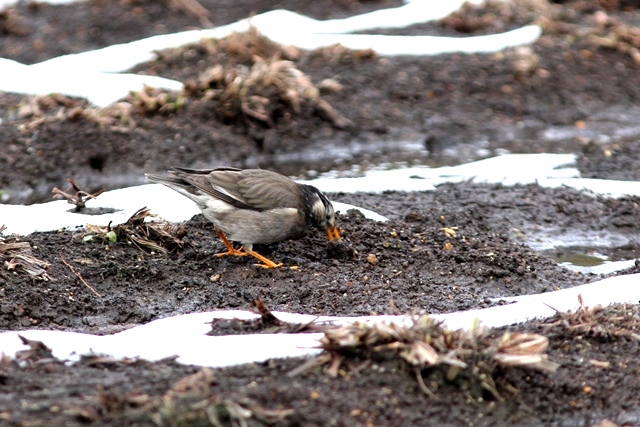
318 208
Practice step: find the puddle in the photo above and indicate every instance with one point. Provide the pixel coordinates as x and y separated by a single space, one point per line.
445 142
348 160
579 256
597 252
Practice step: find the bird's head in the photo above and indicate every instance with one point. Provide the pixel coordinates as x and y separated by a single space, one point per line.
320 212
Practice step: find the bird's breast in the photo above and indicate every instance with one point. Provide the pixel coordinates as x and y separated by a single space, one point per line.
269 226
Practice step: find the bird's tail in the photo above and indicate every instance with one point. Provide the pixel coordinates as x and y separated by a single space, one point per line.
168 180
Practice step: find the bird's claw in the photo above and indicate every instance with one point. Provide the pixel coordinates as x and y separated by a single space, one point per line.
272 265
233 252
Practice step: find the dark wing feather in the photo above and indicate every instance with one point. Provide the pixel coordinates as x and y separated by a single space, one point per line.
267 190
253 189
206 180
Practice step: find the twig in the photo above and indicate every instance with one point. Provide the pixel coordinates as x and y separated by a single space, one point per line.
78 198
422 385
79 277
193 8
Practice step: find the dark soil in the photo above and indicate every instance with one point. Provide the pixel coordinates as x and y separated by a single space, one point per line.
459 247
596 383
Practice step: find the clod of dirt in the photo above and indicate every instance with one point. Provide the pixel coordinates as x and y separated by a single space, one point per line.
12 23
341 251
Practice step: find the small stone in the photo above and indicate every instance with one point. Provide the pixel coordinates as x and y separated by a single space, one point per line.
372 259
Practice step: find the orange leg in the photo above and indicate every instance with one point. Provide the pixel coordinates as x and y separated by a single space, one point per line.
266 262
230 249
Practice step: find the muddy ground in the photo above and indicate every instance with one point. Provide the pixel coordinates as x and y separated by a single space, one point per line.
459 247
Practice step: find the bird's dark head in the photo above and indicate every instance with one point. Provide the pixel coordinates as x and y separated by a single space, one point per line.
319 211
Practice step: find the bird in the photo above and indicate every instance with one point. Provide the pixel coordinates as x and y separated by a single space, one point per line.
253 206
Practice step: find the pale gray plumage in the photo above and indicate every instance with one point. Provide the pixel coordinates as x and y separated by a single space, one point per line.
253 205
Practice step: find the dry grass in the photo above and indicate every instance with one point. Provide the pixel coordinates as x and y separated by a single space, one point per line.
156 236
613 322
42 109
17 256
268 91
425 344
600 29
258 83
497 15
253 81
151 101
611 33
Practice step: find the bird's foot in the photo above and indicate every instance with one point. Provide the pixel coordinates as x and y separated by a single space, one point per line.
233 252
272 265
230 249
266 262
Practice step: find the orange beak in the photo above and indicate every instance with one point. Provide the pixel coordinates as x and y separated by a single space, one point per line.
333 233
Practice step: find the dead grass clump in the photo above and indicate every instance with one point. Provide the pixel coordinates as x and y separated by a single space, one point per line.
269 91
339 54
599 29
189 410
254 82
188 402
236 48
611 33
119 116
159 237
425 344
151 101
42 109
496 15
244 47
48 108
17 255
613 322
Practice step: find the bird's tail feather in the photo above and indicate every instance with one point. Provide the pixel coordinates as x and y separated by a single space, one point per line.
170 180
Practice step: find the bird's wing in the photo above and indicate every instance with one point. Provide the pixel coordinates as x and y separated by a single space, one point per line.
253 189
221 184
267 190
